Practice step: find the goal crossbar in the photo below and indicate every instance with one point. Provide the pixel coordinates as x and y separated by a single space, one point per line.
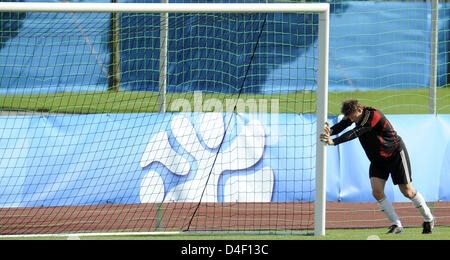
323 9
163 8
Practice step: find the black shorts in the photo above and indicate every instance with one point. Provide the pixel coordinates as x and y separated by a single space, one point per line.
398 166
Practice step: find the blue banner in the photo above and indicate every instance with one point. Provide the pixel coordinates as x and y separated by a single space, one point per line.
187 157
132 158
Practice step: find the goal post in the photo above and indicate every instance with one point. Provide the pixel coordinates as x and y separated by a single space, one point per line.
322 114
322 9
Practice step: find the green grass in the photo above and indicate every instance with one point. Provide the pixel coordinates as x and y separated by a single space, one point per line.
412 233
440 233
390 102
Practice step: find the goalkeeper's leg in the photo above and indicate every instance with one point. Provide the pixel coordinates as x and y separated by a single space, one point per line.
421 205
385 205
417 200
401 175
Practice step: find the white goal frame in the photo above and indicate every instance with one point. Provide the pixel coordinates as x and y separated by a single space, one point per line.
323 9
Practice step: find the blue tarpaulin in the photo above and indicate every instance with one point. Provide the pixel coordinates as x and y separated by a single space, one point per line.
132 158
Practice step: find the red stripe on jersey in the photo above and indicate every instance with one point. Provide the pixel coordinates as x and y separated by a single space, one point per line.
392 132
381 141
383 153
376 118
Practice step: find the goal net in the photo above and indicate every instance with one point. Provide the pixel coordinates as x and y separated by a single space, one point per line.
162 117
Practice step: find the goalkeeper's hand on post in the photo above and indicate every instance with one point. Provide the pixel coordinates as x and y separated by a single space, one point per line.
325 137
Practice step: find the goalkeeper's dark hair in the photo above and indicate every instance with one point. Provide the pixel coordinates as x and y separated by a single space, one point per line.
350 106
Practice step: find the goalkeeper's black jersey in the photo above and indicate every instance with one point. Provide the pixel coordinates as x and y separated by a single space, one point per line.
375 132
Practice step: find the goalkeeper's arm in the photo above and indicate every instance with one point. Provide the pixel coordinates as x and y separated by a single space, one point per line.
334 130
350 135
339 127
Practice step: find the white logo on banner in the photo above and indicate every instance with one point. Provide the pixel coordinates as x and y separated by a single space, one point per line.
244 152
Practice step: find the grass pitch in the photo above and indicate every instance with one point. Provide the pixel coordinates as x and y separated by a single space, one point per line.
415 101
411 233
440 233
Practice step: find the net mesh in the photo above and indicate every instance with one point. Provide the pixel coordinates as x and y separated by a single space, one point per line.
74 155
84 153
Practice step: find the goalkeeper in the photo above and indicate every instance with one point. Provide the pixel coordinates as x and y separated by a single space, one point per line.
387 154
